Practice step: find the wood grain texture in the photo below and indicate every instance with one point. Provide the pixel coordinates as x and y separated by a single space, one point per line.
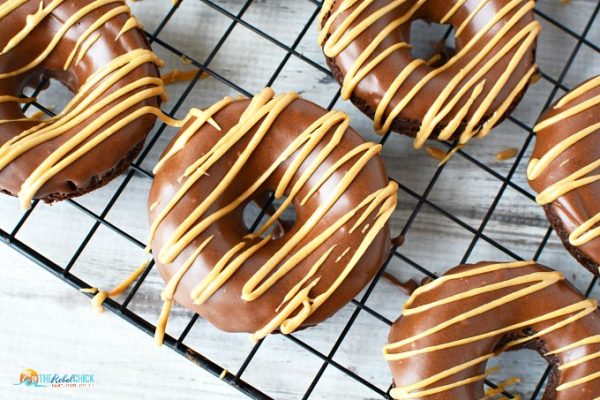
46 325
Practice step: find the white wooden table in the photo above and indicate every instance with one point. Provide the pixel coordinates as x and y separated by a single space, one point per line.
48 326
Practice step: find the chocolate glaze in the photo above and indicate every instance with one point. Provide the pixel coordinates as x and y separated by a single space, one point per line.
111 156
369 92
407 287
537 303
225 308
574 207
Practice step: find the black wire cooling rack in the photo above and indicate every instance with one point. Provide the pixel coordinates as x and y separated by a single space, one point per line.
178 344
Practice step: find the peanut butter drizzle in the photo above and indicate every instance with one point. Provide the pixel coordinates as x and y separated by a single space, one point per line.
491 393
9 6
34 20
86 46
169 291
176 75
37 116
507 154
132 23
14 99
436 152
262 111
102 295
537 281
442 156
444 103
97 24
88 102
588 230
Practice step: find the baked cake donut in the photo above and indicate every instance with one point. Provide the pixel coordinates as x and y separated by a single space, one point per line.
301 272
451 327
565 170
367 46
97 50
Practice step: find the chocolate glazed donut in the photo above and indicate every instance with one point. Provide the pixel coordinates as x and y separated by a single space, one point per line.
97 50
565 170
367 46
297 275
451 327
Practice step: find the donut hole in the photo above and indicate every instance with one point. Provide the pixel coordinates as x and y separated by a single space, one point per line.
53 97
432 42
506 370
507 367
258 211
